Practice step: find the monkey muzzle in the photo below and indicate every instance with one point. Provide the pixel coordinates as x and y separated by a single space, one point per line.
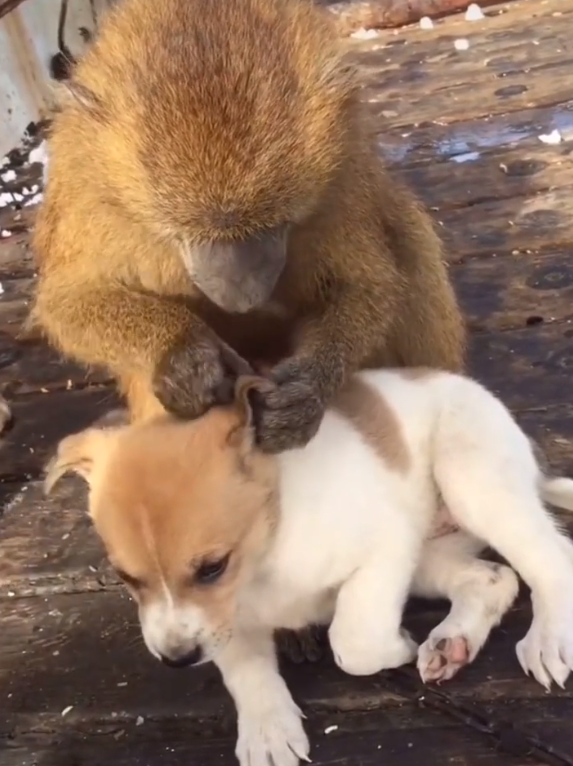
238 275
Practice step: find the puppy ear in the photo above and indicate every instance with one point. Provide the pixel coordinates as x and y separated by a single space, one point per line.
78 453
246 388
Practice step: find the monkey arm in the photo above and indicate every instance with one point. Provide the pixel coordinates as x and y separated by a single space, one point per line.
338 339
352 324
110 324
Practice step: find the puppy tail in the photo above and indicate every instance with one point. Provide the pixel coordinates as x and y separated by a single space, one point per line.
558 492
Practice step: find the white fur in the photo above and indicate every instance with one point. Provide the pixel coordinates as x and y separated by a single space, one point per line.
352 543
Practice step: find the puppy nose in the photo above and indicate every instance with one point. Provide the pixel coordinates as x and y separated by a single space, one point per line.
183 661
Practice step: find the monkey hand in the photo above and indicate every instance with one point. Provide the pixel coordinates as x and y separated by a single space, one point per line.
289 414
192 377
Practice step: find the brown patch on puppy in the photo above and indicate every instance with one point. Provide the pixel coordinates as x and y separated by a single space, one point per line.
375 420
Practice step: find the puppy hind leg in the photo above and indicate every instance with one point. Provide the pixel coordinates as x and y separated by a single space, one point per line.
504 509
480 592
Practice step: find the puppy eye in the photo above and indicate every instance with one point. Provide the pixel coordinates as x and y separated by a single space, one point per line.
210 571
132 582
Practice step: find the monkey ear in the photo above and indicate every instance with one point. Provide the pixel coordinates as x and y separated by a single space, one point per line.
242 435
78 454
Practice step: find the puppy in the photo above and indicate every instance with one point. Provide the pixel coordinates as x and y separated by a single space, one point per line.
220 544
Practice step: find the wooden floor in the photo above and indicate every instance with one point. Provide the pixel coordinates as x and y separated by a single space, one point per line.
77 688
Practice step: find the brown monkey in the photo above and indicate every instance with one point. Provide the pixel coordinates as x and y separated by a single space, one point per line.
214 195
215 198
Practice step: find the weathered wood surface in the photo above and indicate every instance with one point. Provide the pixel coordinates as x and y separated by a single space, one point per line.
463 128
352 15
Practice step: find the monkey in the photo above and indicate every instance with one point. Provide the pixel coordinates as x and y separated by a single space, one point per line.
216 200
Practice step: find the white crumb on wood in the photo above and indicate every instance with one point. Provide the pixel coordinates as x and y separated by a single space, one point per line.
426 23
4 233
364 34
1 289
9 175
6 199
139 720
66 710
461 44
330 729
474 12
551 138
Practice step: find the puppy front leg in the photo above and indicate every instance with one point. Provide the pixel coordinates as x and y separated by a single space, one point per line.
366 634
270 729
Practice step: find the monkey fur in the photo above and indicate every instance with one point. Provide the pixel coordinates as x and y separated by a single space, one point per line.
215 199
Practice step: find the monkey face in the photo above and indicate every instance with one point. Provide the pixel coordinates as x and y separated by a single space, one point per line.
238 275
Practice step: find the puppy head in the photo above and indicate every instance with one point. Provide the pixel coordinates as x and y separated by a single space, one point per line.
185 510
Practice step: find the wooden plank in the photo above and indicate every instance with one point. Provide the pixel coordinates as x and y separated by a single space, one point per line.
16 259
9 5
41 420
48 638
352 15
27 364
474 177
552 428
515 60
529 367
33 367
515 291
48 545
434 141
519 290
407 737
541 222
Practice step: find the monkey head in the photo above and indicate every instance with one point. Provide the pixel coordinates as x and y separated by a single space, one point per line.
220 126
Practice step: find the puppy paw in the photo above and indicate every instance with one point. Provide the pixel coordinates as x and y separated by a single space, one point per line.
440 657
358 657
272 735
546 652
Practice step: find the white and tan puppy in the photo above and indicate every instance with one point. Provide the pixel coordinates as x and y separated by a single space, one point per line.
221 544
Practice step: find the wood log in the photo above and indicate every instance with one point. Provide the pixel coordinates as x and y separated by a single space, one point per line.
387 14
8 5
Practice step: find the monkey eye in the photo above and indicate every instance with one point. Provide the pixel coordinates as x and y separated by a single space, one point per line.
208 572
132 582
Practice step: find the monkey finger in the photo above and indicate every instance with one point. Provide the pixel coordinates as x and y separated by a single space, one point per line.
288 395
